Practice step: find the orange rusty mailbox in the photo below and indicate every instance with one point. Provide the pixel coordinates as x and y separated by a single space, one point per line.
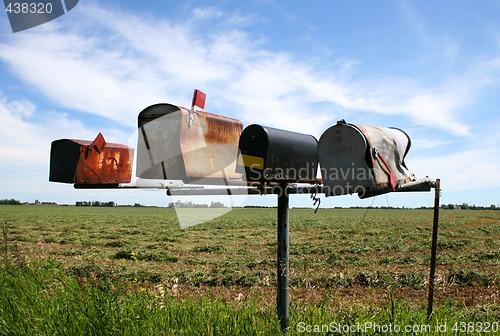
178 144
90 162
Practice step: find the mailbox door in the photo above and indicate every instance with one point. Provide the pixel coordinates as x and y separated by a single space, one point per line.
253 146
64 156
159 153
344 159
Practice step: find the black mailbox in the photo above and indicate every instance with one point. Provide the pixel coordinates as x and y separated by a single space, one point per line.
273 155
366 160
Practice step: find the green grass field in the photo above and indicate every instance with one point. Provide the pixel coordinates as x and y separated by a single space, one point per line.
130 271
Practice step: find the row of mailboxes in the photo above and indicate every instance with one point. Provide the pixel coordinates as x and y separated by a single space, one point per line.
173 144
179 144
366 160
176 143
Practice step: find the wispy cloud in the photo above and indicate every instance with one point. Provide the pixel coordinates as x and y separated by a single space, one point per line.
207 13
114 64
464 170
27 133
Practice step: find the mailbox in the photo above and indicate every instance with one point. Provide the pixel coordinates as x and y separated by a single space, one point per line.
273 155
177 143
367 160
90 162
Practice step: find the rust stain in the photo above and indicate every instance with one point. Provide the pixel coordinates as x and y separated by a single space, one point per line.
219 129
111 166
210 145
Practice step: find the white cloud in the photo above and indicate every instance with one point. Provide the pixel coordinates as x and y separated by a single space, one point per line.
114 64
427 143
26 138
470 165
207 13
464 170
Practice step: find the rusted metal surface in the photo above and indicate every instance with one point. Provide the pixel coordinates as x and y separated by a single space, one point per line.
90 162
177 144
210 145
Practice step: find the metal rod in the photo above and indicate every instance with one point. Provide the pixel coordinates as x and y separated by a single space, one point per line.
437 194
283 255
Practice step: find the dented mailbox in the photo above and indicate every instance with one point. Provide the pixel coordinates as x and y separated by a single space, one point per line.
176 143
272 155
90 162
366 160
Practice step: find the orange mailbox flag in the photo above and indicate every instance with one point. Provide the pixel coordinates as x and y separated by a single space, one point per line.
99 143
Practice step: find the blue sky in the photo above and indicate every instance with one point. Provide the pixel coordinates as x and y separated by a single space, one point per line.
429 68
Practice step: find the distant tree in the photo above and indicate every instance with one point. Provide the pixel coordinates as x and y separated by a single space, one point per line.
10 202
189 204
96 203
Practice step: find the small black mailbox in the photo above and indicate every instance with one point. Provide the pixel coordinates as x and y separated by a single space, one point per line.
273 155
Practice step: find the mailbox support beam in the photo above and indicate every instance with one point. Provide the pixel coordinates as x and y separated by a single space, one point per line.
283 257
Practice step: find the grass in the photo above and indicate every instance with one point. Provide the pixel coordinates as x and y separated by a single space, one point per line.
82 270
43 299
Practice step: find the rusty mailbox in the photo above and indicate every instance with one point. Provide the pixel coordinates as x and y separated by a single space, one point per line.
90 162
177 143
273 155
366 160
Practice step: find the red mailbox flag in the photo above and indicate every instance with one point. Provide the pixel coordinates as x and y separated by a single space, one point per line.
199 99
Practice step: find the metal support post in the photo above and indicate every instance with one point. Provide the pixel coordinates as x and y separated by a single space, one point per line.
437 194
283 254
